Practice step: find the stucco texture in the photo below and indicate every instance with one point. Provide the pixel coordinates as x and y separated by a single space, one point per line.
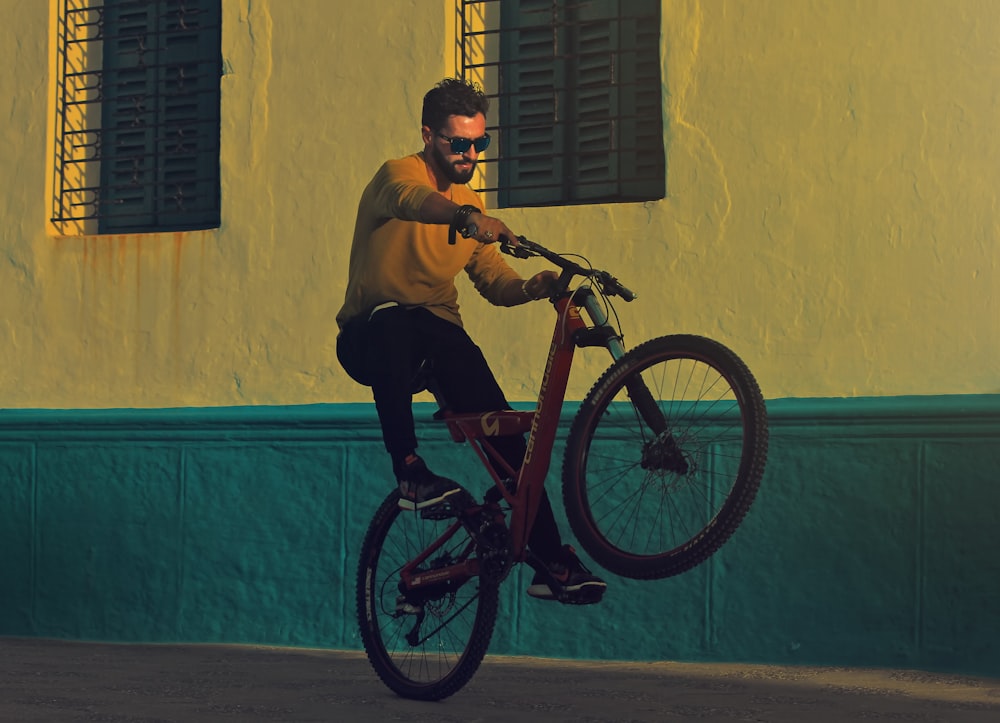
831 208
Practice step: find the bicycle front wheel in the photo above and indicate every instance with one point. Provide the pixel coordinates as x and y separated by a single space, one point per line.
665 457
424 646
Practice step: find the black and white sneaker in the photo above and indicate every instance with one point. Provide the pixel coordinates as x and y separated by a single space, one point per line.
567 580
421 489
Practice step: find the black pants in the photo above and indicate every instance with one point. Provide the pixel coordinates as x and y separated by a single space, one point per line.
385 351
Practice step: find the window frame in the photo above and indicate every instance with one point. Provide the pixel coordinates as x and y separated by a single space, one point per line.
137 126
579 95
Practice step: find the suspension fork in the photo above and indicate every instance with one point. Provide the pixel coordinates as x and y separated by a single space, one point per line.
600 332
604 334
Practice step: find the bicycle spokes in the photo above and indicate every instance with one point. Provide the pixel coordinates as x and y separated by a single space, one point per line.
665 457
426 614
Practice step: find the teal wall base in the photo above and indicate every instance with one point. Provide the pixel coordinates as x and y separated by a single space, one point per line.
873 541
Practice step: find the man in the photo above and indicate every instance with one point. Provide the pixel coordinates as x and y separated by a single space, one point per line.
401 307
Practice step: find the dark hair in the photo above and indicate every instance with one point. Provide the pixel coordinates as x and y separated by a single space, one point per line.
452 96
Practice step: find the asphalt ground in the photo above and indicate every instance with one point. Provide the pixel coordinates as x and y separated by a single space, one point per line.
49 681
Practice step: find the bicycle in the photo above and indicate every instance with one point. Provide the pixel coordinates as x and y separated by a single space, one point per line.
662 462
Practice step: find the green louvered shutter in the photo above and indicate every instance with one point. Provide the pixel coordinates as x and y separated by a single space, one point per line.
160 115
533 104
641 126
595 102
581 102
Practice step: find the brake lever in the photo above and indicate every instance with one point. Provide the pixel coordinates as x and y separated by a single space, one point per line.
613 286
518 252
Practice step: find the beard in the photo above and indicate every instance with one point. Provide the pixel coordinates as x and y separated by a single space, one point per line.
450 168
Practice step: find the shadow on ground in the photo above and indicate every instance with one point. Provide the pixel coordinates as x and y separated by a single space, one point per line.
52 681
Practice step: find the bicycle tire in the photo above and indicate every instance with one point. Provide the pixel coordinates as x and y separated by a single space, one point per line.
649 505
456 627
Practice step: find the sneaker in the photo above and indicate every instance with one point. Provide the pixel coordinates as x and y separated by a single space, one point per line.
567 580
421 489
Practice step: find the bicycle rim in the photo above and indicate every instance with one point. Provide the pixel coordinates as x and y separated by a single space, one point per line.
665 457
429 648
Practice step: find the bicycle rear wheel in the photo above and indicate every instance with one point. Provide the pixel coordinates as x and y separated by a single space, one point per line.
665 457
423 646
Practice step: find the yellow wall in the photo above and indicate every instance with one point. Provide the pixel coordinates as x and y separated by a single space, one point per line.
833 176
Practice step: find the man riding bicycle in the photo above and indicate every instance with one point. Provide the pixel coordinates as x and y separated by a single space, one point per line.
401 308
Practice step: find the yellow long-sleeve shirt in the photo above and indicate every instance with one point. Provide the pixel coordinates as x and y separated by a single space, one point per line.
394 257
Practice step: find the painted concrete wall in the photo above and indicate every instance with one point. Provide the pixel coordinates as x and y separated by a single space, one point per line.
872 542
831 214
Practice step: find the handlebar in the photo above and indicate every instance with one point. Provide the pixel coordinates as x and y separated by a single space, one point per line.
527 249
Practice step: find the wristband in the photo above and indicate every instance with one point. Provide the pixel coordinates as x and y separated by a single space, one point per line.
524 290
460 220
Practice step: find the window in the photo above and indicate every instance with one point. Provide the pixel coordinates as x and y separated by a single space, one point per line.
579 95
137 116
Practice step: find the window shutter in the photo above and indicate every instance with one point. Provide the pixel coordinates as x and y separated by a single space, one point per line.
641 128
127 118
533 104
596 101
581 112
189 116
160 140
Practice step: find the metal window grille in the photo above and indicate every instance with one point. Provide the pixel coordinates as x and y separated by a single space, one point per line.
579 92
137 115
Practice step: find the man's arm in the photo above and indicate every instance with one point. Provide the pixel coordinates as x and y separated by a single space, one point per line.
499 284
440 210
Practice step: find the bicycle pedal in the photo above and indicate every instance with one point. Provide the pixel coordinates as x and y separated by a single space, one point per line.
442 511
448 508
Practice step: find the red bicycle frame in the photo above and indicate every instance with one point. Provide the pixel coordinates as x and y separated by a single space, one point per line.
571 330
541 424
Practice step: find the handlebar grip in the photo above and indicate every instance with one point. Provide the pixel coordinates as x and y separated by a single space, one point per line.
520 251
526 249
627 294
614 286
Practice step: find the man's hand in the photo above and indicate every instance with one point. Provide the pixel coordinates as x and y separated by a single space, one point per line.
540 285
489 229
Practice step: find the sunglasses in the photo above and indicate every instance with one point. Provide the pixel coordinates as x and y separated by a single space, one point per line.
461 145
